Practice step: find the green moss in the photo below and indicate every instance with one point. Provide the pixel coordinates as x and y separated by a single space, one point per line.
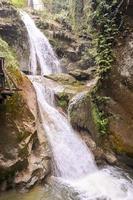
22 135
13 105
7 53
11 62
117 144
63 100
14 115
19 3
99 116
99 120
105 20
23 153
79 12
65 79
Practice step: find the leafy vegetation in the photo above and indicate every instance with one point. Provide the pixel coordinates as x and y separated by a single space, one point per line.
63 101
7 53
100 121
19 3
11 61
106 20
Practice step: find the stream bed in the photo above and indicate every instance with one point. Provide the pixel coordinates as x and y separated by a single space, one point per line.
37 193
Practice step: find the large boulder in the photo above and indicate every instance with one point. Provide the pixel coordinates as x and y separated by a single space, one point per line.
83 75
18 131
81 112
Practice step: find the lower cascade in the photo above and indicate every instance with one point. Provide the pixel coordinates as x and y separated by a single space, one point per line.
74 168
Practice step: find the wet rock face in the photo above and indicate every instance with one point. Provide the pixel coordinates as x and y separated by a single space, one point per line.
87 63
38 164
81 103
119 88
10 20
17 127
22 162
102 157
130 8
12 30
7 11
125 64
24 155
63 36
83 75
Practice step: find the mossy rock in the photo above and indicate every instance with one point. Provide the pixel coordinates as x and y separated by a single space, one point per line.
16 119
64 79
62 100
19 3
81 114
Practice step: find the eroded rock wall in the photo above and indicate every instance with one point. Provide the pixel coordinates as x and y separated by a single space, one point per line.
24 154
119 88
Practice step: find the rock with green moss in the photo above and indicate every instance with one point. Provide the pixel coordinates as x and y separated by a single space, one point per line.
62 100
80 15
13 31
76 11
18 128
81 114
64 79
83 75
19 3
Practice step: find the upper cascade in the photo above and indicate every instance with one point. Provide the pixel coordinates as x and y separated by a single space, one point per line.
42 57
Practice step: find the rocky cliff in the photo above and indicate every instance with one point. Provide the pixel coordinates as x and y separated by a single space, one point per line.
22 162
119 89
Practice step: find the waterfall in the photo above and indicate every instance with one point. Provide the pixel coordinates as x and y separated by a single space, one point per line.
58 130
69 150
73 163
36 4
42 57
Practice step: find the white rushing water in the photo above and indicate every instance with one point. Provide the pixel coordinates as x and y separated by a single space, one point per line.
74 165
36 4
42 57
69 150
